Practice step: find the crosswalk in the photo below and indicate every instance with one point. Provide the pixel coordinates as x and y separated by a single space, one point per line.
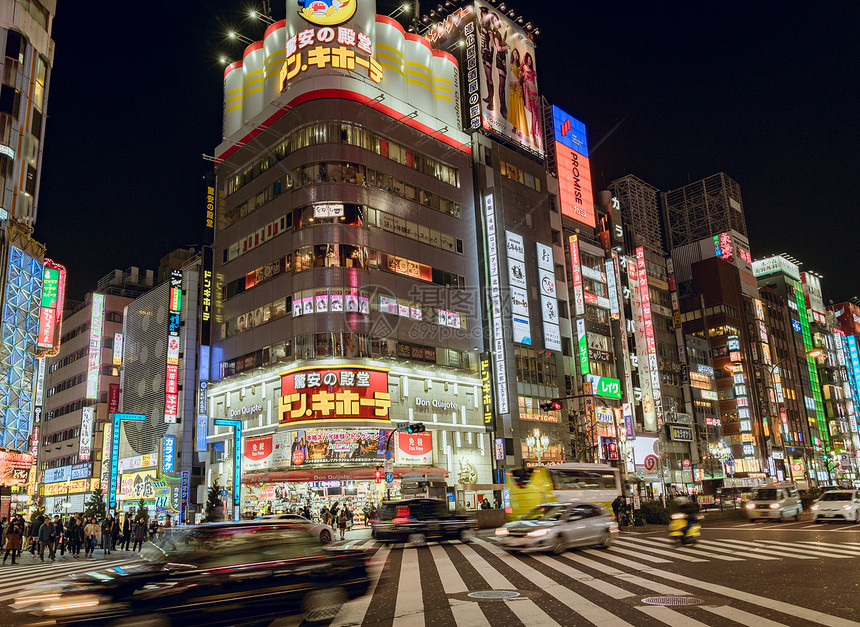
15 578
803 525
632 583
605 587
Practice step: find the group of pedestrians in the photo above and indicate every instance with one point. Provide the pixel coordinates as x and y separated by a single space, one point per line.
339 517
49 536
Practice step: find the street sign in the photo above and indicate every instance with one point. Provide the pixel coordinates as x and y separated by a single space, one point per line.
389 455
401 425
389 477
389 466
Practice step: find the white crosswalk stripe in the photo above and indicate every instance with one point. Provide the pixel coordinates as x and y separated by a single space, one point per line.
691 551
591 586
13 579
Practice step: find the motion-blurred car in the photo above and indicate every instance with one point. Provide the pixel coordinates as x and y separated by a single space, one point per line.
557 527
418 520
776 501
323 532
245 573
837 505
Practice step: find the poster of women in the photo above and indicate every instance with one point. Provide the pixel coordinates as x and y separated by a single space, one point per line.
509 94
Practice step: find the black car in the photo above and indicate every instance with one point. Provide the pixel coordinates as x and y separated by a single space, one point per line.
418 520
246 573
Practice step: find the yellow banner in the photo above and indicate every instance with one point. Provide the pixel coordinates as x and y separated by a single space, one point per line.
59 489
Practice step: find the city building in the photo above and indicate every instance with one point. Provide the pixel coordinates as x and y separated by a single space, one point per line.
702 209
346 292
149 446
80 389
27 329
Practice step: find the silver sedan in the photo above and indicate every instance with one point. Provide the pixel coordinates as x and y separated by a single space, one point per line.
557 527
323 532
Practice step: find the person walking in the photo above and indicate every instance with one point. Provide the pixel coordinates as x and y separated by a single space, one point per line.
618 505
70 532
59 536
13 540
126 532
45 536
139 534
341 523
114 534
91 537
107 528
33 534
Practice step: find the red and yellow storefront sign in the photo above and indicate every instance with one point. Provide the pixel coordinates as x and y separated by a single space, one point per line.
336 394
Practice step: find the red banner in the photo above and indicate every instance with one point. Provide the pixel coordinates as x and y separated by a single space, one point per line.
313 394
113 398
258 448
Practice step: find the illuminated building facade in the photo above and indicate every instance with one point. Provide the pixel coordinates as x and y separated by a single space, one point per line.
345 294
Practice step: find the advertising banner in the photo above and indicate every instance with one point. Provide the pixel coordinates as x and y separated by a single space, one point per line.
257 453
574 171
117 349
51 312
414 448
338 446
113 398
168 455
15 468
137 485
605 386
510 104
61 489
487 390
281 449
87 421
335 395
138 462
107 437
95 350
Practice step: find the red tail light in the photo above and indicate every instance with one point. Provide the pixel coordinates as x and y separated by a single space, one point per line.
402 514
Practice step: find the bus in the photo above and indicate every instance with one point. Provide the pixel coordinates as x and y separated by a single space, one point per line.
571 482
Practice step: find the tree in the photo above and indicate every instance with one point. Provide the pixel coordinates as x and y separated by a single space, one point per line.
95 505
142 512
214 507
36 513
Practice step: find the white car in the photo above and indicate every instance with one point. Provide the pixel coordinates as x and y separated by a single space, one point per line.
837 505
323 532
557 527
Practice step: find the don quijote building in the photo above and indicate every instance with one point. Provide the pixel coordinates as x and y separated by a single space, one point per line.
345 286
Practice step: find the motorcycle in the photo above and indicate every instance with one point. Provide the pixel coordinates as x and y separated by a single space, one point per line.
681 531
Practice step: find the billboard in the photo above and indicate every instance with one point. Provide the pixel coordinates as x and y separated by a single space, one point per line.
171 387
95 355
51 312
344 394
415 448
338 446
87 422
510 104
15 468
574 171
257 453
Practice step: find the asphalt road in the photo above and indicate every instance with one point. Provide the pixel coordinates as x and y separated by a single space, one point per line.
763 574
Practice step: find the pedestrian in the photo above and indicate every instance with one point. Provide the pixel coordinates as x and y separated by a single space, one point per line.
70 532
107 527
3 525
126 532
139 534
153 528
341 523
13 540
617 506
114 534
45 536
91 537
33 535
59 533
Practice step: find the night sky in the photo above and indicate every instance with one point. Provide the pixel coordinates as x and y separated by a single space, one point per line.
766 92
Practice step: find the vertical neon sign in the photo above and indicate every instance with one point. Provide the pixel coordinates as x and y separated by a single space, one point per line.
95 356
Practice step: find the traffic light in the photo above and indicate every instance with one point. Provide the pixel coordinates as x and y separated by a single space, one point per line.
553 405
377 476
418 427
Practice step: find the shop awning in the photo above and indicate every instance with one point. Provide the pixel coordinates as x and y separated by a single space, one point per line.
366 473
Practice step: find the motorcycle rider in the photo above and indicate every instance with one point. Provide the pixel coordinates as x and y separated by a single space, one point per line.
685 506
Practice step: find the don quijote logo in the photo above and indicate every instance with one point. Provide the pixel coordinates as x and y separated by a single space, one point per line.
327 12
246 411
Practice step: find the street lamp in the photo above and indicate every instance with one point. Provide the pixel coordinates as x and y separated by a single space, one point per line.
538 444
